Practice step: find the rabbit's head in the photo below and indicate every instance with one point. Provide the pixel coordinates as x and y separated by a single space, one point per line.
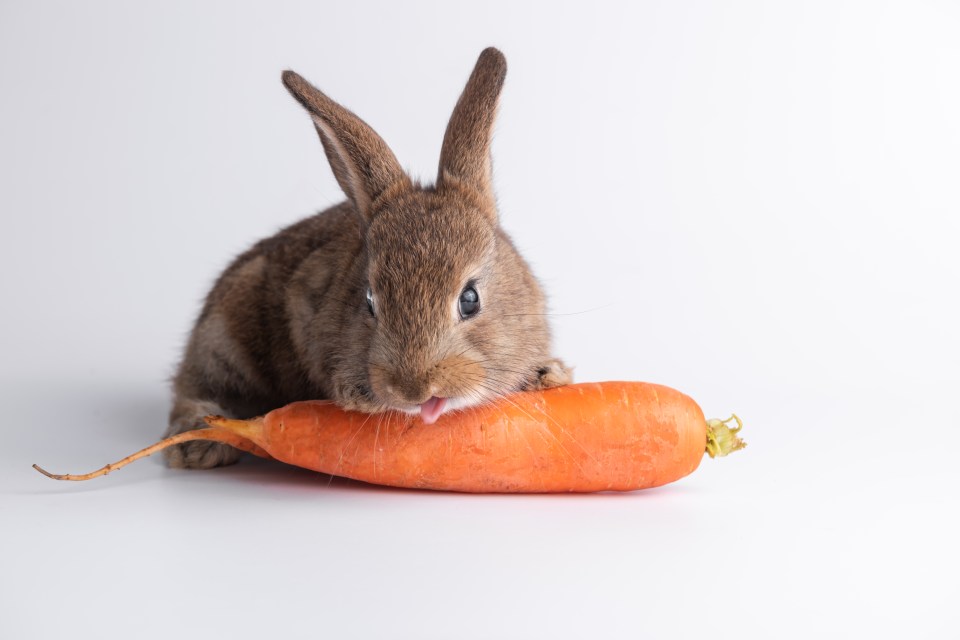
444 312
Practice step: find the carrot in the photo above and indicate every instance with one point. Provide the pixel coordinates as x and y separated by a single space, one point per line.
611 436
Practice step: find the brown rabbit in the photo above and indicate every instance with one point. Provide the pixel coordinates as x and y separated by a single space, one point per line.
403 297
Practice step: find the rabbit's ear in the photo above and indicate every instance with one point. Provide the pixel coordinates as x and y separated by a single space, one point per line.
362 162
465 156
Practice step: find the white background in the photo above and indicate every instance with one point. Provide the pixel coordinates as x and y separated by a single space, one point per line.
757 203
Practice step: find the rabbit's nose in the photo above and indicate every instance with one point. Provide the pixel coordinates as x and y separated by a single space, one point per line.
412 390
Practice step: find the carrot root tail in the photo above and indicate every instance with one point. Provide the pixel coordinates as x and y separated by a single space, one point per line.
722 439
220 435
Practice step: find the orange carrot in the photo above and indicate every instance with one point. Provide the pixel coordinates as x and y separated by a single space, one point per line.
611 436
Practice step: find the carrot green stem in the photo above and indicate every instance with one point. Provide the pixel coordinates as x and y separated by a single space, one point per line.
722 439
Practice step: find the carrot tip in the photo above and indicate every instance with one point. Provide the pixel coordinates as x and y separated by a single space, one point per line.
45 472
722 439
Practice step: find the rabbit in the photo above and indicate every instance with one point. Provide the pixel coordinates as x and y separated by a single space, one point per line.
404 297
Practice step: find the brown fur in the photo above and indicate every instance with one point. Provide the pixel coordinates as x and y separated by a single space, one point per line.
288 320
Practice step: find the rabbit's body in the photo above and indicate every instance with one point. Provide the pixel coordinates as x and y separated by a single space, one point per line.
403 297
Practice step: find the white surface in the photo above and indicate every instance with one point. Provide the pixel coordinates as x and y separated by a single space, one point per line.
755 203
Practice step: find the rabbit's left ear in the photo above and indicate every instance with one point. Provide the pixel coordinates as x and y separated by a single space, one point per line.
465 156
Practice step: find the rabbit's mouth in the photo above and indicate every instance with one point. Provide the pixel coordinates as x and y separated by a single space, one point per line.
431 410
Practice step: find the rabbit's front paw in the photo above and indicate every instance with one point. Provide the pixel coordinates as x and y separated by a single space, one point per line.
553 373
199 454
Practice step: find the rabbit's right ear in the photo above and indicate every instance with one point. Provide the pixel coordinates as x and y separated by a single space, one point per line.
361 161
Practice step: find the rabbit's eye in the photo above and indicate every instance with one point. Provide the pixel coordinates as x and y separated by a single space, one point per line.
370 301
469 302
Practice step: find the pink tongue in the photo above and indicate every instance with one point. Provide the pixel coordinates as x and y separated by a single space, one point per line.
431 409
